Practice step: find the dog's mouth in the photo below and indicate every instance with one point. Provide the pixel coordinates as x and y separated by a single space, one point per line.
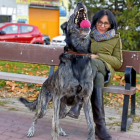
80 15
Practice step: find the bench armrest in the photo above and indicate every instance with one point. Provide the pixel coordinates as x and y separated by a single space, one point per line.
130 77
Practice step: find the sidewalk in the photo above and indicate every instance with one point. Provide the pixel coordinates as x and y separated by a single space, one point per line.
15 124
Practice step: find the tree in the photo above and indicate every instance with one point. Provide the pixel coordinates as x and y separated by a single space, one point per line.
128 23
127 13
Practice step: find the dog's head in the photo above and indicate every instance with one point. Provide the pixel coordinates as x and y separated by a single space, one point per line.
77 38
73 25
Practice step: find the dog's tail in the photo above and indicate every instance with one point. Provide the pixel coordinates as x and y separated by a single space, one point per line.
31 105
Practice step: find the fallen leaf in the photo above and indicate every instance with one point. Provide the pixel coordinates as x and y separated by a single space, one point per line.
117 76
50 103
31 89
24 90
13 87
138 86
2 94
30 98
122 81
30 73
5 105
38 85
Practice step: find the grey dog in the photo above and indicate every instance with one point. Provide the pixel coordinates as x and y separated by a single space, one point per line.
73 80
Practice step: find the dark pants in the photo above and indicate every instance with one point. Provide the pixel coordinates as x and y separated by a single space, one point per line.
97 99
99 66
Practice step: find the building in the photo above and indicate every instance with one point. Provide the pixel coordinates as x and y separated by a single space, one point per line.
8 11
47 15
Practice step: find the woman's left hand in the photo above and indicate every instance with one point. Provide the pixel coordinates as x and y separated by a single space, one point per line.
94 56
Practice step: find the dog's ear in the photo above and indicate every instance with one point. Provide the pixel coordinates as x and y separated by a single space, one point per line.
64 27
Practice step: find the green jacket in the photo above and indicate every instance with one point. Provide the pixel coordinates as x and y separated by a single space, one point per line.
110 52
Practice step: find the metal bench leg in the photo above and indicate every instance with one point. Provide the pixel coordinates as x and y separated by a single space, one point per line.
133 104
125 113
51 71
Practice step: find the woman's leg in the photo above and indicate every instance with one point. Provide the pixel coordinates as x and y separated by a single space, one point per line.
98 108
99 66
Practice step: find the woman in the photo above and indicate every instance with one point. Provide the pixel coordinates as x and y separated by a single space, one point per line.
106 48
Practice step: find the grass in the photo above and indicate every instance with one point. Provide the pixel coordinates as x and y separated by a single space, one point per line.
111 118
136 118
18 67
2 103
118 124
12 109
114 124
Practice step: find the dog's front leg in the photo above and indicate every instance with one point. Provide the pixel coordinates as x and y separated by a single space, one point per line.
55 120
89 116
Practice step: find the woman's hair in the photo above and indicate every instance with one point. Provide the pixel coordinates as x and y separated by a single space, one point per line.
100 14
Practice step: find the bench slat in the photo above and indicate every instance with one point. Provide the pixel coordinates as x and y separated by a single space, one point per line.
22 78
119 90
40 80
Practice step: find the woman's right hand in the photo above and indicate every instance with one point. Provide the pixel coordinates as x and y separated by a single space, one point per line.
92 56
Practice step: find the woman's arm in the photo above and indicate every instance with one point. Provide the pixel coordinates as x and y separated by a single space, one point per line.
115 59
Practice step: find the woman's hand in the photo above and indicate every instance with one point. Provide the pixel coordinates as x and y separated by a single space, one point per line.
94 56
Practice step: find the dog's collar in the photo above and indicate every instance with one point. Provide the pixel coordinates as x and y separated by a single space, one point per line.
76 53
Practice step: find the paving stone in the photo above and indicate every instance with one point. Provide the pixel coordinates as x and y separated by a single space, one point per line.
2 137
123 138
12 138
1 132
132 132
135 137
114 137
122 134
13 134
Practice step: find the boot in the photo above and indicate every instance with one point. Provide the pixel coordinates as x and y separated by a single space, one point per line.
75 110
98 114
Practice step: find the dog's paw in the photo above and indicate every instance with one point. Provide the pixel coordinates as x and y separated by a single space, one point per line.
55 136
62 132
30 132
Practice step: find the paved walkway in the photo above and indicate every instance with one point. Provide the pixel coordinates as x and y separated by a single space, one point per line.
15 121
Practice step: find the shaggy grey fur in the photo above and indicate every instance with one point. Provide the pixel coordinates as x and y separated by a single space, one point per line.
71 83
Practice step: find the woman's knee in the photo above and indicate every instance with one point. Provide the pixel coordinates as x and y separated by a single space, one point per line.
99 80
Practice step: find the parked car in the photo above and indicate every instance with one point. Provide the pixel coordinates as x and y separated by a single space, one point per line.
46 39
21 33
59 40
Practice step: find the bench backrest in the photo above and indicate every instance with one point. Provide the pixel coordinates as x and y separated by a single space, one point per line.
131 58
30 53
49 54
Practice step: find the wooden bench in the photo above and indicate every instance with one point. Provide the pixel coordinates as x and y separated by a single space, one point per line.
49 55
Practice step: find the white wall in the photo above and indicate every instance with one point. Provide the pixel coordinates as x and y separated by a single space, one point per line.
9 8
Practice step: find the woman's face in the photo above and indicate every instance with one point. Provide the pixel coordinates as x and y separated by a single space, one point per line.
103 24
